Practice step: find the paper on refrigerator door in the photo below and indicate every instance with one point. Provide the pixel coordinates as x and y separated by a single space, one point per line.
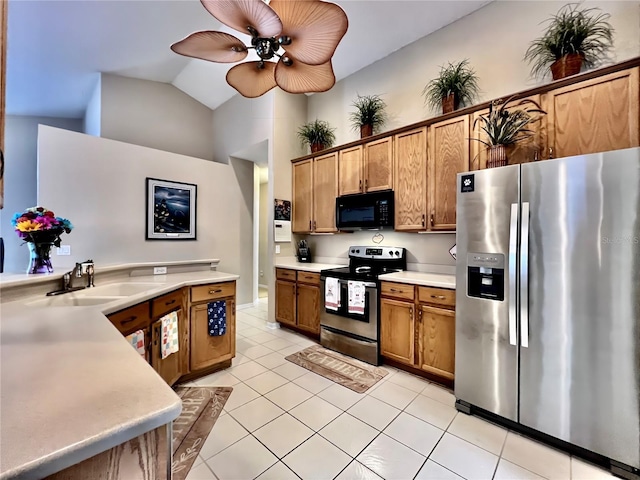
281 231
356 297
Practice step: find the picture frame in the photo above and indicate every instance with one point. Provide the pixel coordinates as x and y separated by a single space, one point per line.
170 210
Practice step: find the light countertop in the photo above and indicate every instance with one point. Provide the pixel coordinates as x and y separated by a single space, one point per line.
438 280
293 264
72 386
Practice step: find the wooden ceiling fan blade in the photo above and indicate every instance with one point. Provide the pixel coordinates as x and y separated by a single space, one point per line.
250 80
213 46
242 14
302 78
315 28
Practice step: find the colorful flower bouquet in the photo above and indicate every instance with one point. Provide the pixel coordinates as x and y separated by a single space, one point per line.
40 229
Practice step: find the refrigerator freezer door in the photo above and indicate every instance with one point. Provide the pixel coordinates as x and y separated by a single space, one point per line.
579 375
486 363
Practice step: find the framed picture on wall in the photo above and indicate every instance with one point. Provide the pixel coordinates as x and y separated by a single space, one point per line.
171 210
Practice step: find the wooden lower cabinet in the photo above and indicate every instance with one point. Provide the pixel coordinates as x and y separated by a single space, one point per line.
436 340
286 302
170 368
308 308
418 327
207 350
397 330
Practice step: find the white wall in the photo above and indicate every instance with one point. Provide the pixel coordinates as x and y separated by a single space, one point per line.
20 182
263 235
493 38
104 197
156 115
93 113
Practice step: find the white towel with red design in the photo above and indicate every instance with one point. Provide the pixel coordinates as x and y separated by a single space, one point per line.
332 294
356 297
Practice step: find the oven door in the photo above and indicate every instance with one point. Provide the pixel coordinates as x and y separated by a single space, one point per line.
365 326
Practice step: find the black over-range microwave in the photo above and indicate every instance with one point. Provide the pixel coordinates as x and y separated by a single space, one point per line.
365 211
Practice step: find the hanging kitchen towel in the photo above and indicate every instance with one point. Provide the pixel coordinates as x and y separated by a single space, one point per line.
136 340
169 343
331 294
356 297
217 314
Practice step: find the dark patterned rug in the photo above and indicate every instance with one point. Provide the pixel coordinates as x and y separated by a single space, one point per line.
347 371
201 407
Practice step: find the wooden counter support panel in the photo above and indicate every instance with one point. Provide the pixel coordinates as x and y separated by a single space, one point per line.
214 291
132 319
142 458
397 290
437 296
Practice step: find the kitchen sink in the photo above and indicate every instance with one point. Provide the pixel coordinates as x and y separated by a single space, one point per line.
73 300
124 289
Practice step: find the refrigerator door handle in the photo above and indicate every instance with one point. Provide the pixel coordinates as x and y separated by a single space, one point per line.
513 263
524 277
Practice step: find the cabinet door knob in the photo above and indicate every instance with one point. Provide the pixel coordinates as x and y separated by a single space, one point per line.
431 219
423 220
309 225
211 292
360 186
550 153
314 225
170 303
366 186
129 320
441 297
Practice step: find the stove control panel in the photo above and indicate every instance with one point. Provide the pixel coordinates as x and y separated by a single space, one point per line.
382 253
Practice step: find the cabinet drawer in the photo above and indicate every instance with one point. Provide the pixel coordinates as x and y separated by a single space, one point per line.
282 274
437 296
131 319
397 290
213 291
309 278
166 303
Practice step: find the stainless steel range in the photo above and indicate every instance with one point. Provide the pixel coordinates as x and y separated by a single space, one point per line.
357 334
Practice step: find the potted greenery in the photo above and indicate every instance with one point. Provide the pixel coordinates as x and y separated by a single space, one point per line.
574 37
317 134
369 115
506 125
456 85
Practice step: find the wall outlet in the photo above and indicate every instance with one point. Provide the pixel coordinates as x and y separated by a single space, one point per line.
277 249
64 250
159 270
261 273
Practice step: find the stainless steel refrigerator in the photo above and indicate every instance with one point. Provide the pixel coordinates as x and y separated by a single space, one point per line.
548 299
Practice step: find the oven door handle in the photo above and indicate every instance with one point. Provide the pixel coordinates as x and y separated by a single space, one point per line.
344 282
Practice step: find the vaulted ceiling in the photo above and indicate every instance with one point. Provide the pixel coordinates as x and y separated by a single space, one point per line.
57 48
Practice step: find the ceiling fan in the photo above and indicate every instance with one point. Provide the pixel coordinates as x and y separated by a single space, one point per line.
307 30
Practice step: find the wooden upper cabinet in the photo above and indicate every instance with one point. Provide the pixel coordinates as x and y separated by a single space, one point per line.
350 171
410 179
525 151
595 115
436 341
448 156
325 191
302 196
378 165
397 330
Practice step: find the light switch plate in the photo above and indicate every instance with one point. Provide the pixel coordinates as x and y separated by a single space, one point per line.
277 249
64 250
159 270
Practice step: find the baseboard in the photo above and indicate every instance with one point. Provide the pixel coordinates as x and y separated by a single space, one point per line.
244 306
263 286
273 325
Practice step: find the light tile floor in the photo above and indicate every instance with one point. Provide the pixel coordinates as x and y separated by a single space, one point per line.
283 422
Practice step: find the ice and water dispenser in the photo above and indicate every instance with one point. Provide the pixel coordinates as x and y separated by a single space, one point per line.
485 275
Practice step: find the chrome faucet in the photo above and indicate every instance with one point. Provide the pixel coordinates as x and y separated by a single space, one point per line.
78 271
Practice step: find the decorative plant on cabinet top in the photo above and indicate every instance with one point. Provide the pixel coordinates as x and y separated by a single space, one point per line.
369 115
574 37
317 134
455 86
507 125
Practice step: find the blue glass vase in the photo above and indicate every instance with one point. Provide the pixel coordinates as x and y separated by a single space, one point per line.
40 257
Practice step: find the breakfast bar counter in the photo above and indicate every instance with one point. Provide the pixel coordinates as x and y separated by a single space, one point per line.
72 386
